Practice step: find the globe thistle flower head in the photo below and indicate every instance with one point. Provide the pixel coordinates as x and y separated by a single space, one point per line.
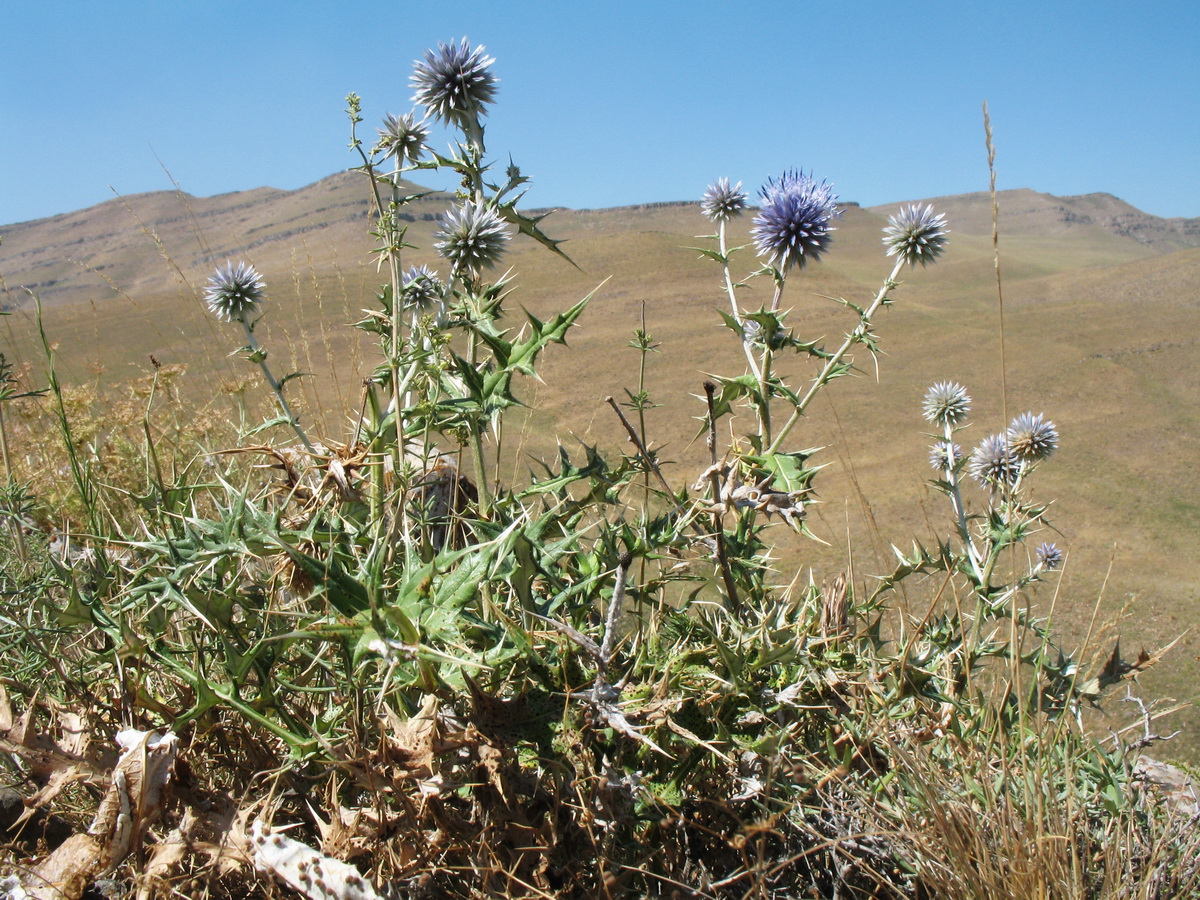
916 234
455 83
993 463
722 202
946 403
793 226
403 137
944 456
1032 437
234 292
1049 556
422 289
473 237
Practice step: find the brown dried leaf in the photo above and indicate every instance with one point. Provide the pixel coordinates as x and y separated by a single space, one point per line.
6 714
412 743
66 873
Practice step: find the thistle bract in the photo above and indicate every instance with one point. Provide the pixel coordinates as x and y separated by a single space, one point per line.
455 83
993 462
403 137
793 227
472 237
916 234
1032 437
946 403
722 202
234 292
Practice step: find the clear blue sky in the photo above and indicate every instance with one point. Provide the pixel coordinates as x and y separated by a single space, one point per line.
611 103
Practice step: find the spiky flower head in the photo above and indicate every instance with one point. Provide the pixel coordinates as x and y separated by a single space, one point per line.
403 137
1049 556
993 463
234 292
455 83
916 234
721 202
1032 437
473 237
793 227
422 289
946 403
944 456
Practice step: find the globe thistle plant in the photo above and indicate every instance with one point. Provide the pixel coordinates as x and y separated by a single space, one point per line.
1032 437
403 137
993 462
1049 556
793 227
234 292
472 237
946 404
455 83
722 202
916 234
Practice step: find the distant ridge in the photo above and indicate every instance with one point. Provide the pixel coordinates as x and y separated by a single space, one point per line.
1028 212
70 256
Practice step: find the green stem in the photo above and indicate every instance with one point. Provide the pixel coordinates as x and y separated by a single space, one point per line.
729 289
956 503
14 522
261 357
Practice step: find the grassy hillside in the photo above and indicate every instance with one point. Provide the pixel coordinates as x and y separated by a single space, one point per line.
1101 324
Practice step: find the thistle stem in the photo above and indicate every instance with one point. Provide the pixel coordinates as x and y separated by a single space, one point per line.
729 289
260 357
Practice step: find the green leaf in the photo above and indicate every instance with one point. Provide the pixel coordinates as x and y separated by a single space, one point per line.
528 225
788 470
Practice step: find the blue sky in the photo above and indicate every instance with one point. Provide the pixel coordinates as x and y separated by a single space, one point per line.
611 103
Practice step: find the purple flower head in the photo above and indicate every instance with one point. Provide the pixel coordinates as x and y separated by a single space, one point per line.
235 292
946 403
793 226
1049 556
403 137
455 83
473 237
916 234
722 202
993 463
945 456
422 289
